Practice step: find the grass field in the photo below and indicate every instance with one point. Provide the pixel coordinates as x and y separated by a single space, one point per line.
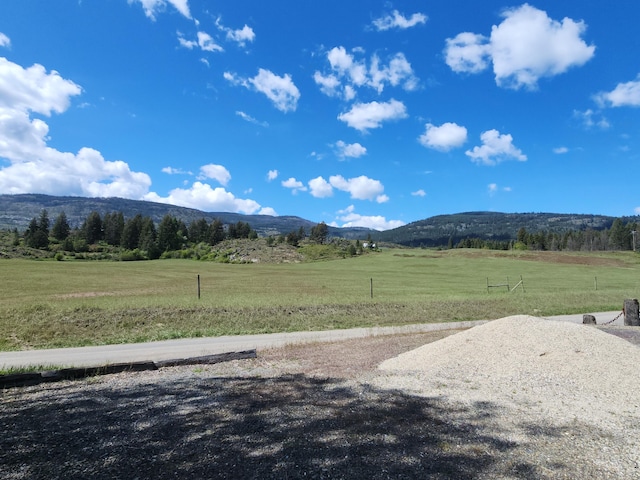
52 304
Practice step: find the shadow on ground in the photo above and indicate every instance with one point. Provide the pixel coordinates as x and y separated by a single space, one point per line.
239 428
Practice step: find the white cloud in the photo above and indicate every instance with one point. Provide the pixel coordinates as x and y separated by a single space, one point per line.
560 150
493 188
445 137
419 193
189 44
348 73
272 175
591 119
636 210
396 20
35 167
152 7
215 172
467 53
207 43
268 211
526 46
495 148
360 188
280 90
240 36
4 40
202 197
250 119
624 95
351 150
204 41
175 171
295 185
320 188
364 116
349 218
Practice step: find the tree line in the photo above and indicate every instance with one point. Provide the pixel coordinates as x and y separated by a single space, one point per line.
620 236
141 237
136 234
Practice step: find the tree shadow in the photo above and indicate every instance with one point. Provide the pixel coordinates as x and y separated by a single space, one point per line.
291 426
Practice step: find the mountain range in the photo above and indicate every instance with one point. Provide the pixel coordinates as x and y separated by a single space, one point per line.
16 211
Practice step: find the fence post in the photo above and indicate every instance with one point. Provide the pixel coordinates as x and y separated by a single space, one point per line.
631 313
371 287
198 286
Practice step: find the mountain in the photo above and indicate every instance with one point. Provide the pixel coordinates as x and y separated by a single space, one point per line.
444 229
16 211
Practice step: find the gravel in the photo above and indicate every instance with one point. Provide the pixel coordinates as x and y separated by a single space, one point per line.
537 375
516 398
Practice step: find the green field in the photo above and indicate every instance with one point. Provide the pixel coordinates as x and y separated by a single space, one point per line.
52 304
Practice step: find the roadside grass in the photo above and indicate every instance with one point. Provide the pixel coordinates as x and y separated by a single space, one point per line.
50 304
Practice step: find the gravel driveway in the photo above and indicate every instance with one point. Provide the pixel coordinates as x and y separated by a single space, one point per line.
309 411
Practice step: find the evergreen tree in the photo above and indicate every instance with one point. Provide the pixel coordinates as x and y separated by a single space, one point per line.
92 228
216 232
113 226
319 233
61 229
131 233
169 235
198 231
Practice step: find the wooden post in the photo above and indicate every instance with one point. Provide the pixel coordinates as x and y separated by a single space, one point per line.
198 286
371 287
631 317
596 283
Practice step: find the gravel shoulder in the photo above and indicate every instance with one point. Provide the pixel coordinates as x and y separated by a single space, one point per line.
325 410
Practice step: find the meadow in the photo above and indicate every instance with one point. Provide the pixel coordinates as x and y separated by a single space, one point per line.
71 303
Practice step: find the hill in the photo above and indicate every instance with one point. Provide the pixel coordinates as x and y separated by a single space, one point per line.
442 230
16 211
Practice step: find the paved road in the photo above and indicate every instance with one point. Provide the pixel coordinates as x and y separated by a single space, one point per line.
186 348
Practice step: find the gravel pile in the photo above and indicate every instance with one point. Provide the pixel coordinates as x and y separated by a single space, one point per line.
537 374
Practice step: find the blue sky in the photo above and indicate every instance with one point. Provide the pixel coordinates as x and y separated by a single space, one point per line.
356 113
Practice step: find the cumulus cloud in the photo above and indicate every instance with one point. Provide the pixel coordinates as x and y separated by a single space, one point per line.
351 150
4 40
272 175
495 148
360 188
280 90
397 20
365 116
350 218
624 95
215 172
526 46
295 185
202 196
348 73
419 193
34 166
445 137
153 7
241 36
320 188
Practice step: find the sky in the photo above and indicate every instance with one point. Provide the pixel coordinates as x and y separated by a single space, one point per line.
354 112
